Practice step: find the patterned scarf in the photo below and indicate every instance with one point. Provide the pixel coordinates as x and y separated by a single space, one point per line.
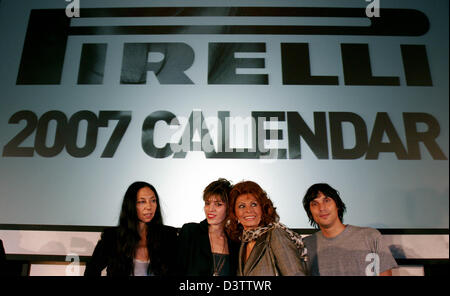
253 234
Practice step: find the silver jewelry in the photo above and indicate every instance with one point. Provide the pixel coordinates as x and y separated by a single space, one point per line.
217 267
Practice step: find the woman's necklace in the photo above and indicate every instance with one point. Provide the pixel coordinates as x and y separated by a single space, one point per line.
219 266
221 261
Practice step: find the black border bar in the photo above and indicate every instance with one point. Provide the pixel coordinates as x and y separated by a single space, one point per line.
43 258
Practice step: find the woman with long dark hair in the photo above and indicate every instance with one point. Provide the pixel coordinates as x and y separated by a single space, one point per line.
140 244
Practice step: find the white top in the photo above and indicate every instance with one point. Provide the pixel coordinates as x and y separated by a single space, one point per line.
140 267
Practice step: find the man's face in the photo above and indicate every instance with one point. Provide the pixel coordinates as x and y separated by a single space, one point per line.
324 211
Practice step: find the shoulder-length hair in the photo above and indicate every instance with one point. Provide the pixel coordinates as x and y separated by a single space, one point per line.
128 230
221 187
328 191
269 213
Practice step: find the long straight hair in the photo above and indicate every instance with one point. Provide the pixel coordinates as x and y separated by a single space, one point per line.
128 230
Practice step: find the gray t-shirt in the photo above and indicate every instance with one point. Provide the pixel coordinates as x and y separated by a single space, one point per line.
356 251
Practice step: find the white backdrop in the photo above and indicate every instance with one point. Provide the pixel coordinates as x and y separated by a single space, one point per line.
387 192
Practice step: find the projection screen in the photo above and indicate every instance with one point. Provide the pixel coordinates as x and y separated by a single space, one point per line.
181 93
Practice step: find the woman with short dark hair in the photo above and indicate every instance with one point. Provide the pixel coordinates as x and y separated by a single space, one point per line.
205 249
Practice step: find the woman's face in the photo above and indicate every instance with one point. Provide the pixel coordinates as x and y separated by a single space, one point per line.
248 211
146 204
215 210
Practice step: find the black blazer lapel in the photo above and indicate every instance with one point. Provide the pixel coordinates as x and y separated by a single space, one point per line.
205 244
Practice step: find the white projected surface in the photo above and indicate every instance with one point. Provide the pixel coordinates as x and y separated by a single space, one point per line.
387 192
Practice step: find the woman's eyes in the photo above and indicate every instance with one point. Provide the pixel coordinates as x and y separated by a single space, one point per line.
253 204
217 204
143 201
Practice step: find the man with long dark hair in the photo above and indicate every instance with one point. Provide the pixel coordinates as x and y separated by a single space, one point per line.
339 249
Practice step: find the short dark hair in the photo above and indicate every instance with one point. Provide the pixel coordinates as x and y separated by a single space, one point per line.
221 187
328 191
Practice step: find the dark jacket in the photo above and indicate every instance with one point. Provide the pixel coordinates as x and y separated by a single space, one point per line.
2 259
195 257
162 261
